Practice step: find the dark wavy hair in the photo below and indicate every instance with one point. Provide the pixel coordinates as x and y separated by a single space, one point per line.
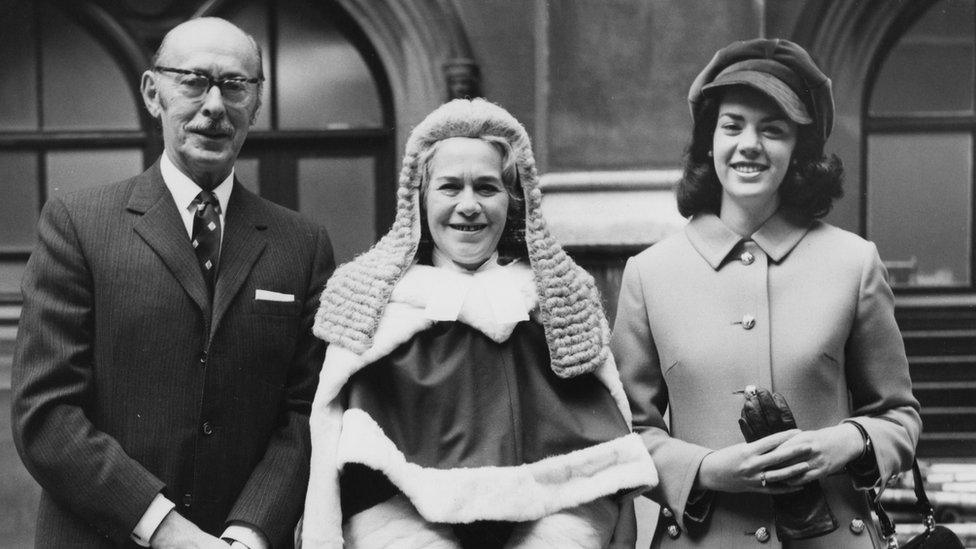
811 184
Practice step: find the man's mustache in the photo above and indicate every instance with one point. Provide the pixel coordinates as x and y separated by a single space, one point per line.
211 127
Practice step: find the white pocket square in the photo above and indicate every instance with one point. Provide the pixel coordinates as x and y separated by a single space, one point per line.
267 295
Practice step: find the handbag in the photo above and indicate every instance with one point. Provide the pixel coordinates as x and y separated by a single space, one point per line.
934 536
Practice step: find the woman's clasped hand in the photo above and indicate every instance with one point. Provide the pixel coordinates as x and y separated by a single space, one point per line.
786 460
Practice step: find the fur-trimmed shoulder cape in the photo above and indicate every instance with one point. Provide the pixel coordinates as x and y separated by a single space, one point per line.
459 495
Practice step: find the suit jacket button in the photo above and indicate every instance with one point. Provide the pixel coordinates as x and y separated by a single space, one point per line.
187 500
748 322
666 511
207 428
857 525
673 531
203 357
762 534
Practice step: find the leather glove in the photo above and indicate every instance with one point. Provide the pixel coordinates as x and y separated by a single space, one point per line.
798 515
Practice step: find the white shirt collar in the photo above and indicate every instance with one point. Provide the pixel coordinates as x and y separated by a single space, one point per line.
184 190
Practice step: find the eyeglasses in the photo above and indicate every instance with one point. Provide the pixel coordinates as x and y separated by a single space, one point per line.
195 84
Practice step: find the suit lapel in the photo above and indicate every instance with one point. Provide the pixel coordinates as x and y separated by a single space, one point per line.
243 243
161 226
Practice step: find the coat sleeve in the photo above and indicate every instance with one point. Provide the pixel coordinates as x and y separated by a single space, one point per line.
637 359
273 497
877 375
80 467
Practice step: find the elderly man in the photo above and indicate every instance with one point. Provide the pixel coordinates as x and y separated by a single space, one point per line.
165 364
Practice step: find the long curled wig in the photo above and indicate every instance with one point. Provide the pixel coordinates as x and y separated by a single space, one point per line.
811 184
570 308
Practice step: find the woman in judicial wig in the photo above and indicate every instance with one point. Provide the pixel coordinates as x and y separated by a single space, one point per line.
469 398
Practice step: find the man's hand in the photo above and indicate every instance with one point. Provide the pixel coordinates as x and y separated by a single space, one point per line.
176 532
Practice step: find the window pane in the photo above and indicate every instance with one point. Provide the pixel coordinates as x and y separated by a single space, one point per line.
919 206
83 87
323 82
18 200
246 170
339 194
71 170
18 68
11 273
253 19
931 67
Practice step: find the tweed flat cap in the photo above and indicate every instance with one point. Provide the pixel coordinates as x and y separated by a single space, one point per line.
780 69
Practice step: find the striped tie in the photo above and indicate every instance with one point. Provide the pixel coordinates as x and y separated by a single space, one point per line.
206 235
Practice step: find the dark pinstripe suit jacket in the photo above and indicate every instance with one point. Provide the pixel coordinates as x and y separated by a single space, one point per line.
127 382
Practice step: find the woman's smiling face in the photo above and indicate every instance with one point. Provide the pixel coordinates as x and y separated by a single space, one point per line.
466 201
751 148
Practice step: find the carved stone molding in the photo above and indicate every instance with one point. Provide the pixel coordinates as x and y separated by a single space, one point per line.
850 40
463 78
415 39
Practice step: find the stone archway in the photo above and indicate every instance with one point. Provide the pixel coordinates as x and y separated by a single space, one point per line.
850 40
415 39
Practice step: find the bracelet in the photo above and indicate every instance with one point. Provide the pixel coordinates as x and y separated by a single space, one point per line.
868 447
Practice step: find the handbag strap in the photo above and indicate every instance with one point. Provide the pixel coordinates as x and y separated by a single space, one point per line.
887 527
922 506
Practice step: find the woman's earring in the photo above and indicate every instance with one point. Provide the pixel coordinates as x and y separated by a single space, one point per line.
709 153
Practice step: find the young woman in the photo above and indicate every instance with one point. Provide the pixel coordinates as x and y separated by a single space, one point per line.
468 396
756 291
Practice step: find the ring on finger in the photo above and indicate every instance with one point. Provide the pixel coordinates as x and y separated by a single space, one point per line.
762 478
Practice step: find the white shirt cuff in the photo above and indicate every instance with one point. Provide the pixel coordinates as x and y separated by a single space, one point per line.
151 520
246 535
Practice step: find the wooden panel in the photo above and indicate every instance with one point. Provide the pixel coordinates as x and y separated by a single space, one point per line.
607 268
619 75
19 493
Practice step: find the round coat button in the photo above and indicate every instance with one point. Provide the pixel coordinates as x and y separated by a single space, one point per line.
748 322
673 531
187 500
857 525
762 534
747 258
207 428
666 511
203 357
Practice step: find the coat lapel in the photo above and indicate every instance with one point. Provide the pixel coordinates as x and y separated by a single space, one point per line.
243 243
162 228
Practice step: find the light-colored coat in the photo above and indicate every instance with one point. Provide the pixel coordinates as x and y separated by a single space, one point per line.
810 316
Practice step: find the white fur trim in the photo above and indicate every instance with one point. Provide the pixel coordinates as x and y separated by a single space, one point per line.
322 521
608 375
516 493
532 485
395 523
399 323
589 526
